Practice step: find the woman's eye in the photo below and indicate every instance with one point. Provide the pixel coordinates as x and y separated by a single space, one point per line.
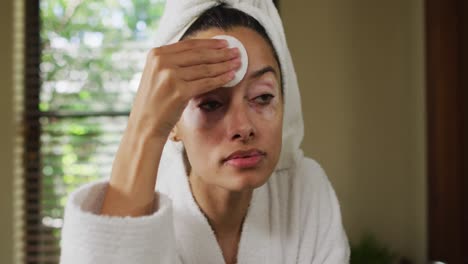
264 99
210 106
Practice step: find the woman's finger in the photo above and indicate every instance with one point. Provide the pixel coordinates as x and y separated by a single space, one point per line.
204 56
202 71
190 44
205 85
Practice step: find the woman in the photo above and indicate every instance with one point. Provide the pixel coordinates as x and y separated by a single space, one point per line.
232 183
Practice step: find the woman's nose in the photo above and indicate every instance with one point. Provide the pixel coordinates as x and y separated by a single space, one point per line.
241 126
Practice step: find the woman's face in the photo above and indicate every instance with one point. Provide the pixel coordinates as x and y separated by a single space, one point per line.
246 118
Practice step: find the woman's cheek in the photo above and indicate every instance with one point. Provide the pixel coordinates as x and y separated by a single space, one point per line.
200 132
270 112
195 118
189 118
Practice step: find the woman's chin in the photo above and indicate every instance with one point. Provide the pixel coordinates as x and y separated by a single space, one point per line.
243 180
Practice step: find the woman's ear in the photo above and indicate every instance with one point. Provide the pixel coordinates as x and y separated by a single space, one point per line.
174 135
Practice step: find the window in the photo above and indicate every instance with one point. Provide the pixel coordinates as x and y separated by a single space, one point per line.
83 65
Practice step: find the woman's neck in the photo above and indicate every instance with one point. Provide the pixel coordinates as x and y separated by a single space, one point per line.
224 209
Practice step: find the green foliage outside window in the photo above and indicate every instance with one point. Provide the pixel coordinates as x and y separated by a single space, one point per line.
93 53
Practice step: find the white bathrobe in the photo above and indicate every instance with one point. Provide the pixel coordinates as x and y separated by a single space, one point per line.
293 218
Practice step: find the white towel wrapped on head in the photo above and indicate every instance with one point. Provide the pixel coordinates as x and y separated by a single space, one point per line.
180 14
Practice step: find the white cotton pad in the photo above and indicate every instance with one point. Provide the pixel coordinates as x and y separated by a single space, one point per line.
235 43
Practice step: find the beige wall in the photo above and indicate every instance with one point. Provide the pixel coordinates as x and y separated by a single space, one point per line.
6 132
360 68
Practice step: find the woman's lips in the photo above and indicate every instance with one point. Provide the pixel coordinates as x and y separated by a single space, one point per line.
246 162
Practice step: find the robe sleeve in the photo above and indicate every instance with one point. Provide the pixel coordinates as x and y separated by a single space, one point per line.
88 237
323 228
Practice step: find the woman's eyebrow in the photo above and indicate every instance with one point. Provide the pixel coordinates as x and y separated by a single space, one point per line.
262 71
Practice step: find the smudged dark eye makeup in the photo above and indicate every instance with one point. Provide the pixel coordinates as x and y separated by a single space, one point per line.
264 99
209 106
212 105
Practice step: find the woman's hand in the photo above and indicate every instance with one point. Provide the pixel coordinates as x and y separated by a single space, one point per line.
174 74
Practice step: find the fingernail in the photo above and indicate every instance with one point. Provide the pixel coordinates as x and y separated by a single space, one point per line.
235 51
223 43
236 62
